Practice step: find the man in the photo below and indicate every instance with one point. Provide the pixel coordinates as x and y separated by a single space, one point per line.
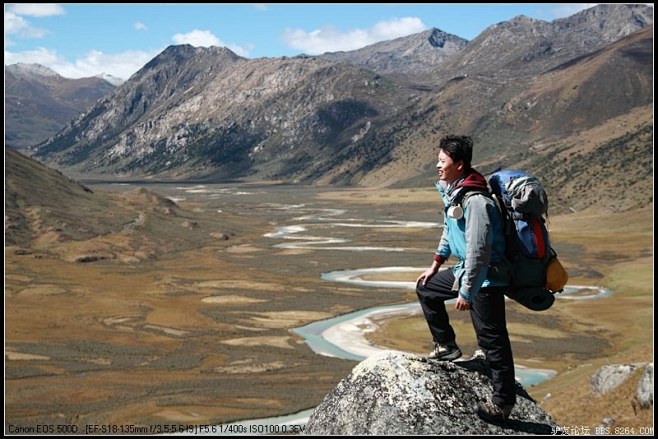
473 234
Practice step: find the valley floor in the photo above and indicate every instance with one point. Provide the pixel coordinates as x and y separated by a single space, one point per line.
133 329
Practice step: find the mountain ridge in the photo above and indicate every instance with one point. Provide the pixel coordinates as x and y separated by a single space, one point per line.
39 102
218 116
408 59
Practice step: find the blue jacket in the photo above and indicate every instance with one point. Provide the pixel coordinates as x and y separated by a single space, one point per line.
476 239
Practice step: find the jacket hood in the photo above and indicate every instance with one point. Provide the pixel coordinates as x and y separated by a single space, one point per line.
472 180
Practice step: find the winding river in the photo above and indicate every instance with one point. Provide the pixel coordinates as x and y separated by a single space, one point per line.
345 336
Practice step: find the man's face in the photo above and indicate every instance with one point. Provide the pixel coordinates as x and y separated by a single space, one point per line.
448 170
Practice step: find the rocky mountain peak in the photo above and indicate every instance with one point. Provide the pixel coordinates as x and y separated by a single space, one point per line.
523 20
22 69
438 38
39 102
404 58
607 22
524 46
184 52
520 25
178 66
395 393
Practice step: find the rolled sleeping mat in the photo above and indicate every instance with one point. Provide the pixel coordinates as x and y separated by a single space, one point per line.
534 298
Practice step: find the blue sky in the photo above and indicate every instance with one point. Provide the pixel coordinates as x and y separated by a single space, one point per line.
81 40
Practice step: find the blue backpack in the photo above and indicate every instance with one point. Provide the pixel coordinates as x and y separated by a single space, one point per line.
523 204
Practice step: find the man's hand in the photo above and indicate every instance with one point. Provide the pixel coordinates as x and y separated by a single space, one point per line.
462 304
427 275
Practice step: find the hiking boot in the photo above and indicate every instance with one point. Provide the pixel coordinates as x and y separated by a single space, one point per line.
446 352
489 411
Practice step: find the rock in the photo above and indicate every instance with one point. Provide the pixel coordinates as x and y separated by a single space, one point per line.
605 424
610 377
220 236
93 257
394 393
190 224
645 387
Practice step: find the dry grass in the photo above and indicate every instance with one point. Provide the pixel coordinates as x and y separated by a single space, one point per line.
178 324
382 196
572 392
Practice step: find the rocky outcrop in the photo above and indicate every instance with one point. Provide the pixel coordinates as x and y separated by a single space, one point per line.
396 393
611 376
411 55
644 392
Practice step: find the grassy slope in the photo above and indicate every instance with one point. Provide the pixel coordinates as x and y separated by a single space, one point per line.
620 247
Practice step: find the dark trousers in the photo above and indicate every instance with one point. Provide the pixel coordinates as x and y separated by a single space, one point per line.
488 317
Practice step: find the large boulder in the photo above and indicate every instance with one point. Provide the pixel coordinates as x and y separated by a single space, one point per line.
645 387
394 393
611 376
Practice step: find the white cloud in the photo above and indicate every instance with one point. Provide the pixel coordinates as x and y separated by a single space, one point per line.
140 26
260 6
40 55
197 38
204 38
239 50
388 30
567 10
122 65
37 10
331 39
14 23
17 25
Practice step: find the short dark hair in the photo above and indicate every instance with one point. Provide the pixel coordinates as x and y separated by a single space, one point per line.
458 148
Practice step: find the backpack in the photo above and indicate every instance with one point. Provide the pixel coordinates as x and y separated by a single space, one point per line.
523 204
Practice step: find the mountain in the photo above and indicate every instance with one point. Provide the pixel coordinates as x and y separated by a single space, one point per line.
524 46
523 107
39 102
526 90
209 113
409 58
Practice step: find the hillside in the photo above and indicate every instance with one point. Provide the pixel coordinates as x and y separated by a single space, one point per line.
40 201
48 211
539 125
39 102
231 117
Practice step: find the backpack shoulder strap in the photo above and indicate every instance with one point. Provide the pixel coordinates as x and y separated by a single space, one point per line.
463 196
508 220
